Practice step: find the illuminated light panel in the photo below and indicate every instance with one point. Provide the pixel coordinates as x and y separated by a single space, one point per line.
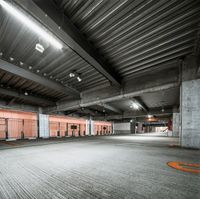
30 24
39 48
135 106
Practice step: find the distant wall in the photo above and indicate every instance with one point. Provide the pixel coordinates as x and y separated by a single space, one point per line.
122 128
17 124
20 125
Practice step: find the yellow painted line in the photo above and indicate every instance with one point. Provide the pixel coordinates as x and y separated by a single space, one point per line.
186 167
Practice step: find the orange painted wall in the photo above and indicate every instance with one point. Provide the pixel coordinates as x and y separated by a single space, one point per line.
18 123
63 125
102 128
2 128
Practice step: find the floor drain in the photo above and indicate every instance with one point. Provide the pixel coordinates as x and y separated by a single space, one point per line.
187 167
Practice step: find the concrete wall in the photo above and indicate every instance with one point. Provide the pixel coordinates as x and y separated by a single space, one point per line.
190 114
122 128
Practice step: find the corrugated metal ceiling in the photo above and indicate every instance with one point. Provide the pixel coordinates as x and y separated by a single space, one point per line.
22 85
135 35
18 42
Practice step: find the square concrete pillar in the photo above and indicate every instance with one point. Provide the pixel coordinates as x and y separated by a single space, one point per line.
190 103
176 124
190 114
132 123
140 127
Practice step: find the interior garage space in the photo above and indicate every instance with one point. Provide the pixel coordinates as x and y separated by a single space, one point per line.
99 99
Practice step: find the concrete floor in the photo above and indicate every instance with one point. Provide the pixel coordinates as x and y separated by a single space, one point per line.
98 167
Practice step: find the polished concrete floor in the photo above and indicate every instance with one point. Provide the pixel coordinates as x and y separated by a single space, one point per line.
112 167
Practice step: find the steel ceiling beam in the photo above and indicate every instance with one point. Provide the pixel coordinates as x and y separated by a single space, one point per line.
136 114
142 104
17 106
11 101
111 108
29 98
133 88
16 70
77 104
52 18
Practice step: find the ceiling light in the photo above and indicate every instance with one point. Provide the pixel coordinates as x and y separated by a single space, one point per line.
1 53
71 75
162 110
135 106
149 116
51 77
26 93
30 67
45 74
39 47
11 59
79 79
37 70
21 63
31 24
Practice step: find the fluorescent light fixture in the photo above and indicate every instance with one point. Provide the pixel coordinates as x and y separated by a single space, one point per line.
149 116
39 48
11 59
71 75
79 79
135 106
20 16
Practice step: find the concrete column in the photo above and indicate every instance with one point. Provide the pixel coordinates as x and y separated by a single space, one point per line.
190 114
132 123
176 123
113 127
44 126
90 126
153 129
139 129
190 104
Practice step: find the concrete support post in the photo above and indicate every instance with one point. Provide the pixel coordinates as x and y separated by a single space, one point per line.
190 117
176 123
113 127
190 104
132 123
90 126
140 127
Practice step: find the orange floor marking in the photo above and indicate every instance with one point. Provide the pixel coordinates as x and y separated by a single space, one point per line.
194 168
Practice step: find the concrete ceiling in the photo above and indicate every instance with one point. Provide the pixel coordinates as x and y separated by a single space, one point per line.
117 47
